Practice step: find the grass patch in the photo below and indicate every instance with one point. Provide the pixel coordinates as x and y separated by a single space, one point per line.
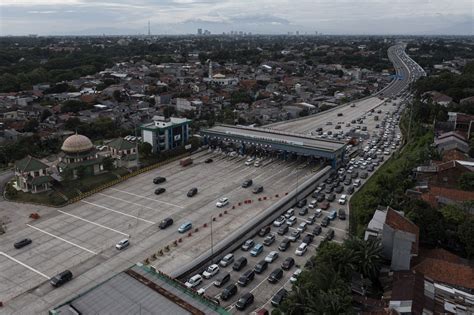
46 198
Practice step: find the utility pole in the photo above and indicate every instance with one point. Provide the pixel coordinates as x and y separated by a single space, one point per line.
212 242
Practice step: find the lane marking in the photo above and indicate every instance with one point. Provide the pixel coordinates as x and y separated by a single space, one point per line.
94 223
126 201
144 197
125 214
25 265
62 239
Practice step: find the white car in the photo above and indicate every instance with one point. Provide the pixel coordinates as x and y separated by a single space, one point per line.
295 275
227 260
122 244
319 212
301 250
343 200
222 202
289 213
249 162
211 271
271 257
257 163
278 222
302 227
194 281
312 204
291 221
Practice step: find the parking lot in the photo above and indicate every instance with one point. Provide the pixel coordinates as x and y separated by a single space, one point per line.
81 236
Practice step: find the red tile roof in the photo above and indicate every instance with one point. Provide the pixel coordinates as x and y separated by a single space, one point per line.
439 253
450 193
451 273
399 222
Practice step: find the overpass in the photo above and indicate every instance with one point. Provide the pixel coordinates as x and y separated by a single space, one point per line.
277 141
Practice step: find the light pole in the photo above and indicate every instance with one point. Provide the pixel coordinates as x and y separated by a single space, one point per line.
212 242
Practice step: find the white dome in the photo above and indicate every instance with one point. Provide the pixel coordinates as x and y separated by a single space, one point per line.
77 143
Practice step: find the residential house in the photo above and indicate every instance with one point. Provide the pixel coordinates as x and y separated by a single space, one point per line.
31 175
123 152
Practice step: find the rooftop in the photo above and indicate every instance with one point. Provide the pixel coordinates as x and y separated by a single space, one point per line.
163 122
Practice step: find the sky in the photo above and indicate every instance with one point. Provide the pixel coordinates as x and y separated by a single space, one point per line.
114 17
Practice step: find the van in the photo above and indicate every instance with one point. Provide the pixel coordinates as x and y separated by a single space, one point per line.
245 279
256 250
60 279
239 264
222 279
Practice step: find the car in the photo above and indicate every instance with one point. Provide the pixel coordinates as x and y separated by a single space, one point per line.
222 202
244 301
303 211
22 243
319 212
249 162
239 264
308 238
122 244
228 292
61 278
342 200
269 239
283 229
211 271
261 266
313 204
247 245
264 231
339 189
341 214
287 263
350 190
311 219
284 244
364 175
165 223
227 260
325 222
302 227
192 192
331 197
183 228
271 257
246 277
301 203
257 189
329 235
160 190
194 281
159 180
275 275
257 163
317 230
207 161
324 205
357 183
294 235
301 250
329 189
348 181
247 183
295 275
279 297
320 197
291 221
256 250
279 221
222 279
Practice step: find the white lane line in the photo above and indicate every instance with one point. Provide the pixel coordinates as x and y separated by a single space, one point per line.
233 304
206 287
144 197
24 265
62 239
126 201
125 214
94 223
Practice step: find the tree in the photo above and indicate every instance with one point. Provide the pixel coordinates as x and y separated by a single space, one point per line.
466 181
108 163
45 114
453 214
31 126
81 171
466 235
145 149
368 255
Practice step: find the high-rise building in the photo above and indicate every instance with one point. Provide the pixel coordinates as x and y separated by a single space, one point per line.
199 31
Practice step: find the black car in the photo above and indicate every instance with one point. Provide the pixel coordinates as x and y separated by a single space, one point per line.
258 189
308 238
222 279
320 197
244 279
192 192
329 189
317 230
165 223
160 190
282 230
325 222
276 275
329 235
247 183
348 181
229 292
159 180
350 190
339 189
264 231
288 263
244 301
284 244
207 161
269 239
22 243
301 203
331 197
261 266
61 278
341 214
239 264
279 297
303 211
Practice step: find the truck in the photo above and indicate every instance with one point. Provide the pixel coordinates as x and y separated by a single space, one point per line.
186 162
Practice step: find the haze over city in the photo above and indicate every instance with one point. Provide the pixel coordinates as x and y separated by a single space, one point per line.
117 17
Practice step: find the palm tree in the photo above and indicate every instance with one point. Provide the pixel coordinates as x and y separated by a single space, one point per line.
368 256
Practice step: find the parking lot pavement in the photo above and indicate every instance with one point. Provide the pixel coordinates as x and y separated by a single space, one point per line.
81 236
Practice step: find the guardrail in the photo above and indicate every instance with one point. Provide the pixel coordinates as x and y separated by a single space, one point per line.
248 230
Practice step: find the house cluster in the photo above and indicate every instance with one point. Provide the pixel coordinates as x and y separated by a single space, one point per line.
417 281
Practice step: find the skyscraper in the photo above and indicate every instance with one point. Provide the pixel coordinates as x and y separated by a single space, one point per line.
199 31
